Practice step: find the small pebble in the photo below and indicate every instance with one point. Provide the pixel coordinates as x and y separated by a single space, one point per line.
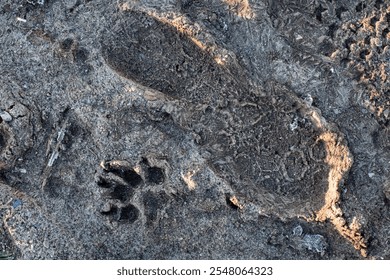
386 113
5 116
298 230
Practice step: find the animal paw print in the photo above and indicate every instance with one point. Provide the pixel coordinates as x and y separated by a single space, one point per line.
121 181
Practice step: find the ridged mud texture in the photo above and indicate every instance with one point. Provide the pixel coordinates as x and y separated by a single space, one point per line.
181 129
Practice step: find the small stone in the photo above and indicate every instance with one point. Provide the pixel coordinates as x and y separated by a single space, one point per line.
298 230
5 116
294 124
315 242
106 207
386 113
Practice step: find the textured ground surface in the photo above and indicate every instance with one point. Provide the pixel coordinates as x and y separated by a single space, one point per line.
179 129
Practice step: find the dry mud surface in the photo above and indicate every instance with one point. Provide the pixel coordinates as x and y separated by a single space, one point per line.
179 129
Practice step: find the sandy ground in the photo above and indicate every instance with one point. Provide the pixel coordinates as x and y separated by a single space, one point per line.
178 129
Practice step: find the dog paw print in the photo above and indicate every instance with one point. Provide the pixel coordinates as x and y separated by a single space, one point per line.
120 181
